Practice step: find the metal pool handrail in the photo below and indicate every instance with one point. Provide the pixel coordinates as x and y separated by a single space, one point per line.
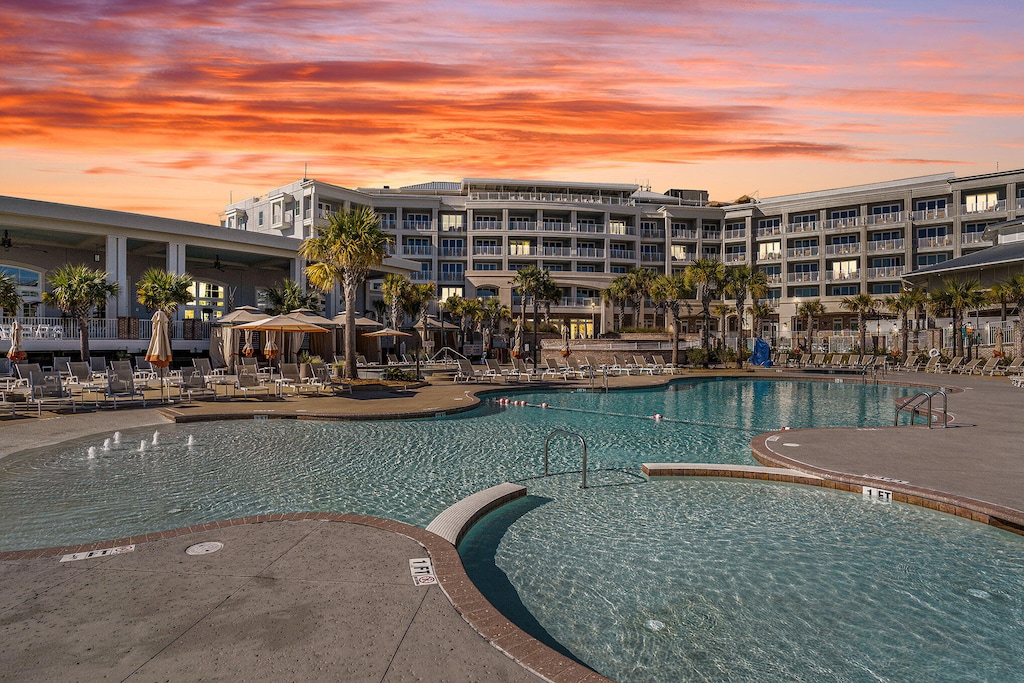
919 399
582 441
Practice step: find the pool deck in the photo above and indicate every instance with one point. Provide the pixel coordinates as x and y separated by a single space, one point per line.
318 596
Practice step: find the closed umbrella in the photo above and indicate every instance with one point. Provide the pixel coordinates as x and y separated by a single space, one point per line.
159 352
565 342
270 346
16 352
517 341
230 345
247 347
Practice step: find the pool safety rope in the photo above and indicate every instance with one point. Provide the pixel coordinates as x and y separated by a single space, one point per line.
657 417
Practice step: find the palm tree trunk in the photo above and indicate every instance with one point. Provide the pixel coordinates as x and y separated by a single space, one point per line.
83 336
349 288
863 337
905 333
536 312
675 338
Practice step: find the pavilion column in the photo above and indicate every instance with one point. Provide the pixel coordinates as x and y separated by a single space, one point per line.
117 271
176 258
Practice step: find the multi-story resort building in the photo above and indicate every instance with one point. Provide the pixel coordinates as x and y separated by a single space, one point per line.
470 237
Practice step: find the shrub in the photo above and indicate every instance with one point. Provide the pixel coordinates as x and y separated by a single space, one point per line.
398 374
696 357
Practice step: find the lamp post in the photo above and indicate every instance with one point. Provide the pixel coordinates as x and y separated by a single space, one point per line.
593 319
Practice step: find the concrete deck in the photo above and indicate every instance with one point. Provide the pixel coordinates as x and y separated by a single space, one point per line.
315 596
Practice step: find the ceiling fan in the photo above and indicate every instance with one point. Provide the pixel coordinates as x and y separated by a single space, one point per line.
217 265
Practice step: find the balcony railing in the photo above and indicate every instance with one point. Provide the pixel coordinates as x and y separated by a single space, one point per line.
560 252
488 250
522 250
684 233
417 250
740 257
452 276
843 223
769 230
735 234
713 235
974 238
802 252
578 301
422 276
842 249
813 276
684 258
802 227
885 245
622 254
48 329
930 214
886 273
589 252
451 252
934 242
652 233
422 226
388 225
485 226
885 218
652 256
549 197
773 278
984 207
1020 203
840 276
770 256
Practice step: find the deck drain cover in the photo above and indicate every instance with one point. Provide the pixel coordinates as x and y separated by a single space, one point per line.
204 548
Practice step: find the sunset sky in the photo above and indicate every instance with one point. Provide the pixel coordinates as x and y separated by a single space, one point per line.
173 108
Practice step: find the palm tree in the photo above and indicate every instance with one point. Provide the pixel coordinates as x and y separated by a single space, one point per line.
10 297
1013 288
722 312
956 296
901 305
76 290
811 310
759 312
289 296
671 292
741 281
863 305
492 312
162 290
343 251
705 276
394 290
415 303
637 285
537 284
616 295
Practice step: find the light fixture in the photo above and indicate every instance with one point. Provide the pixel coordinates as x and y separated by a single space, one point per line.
5 242
96 258
217 264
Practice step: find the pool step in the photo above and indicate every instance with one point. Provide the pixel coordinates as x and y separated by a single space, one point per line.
689 469
453 523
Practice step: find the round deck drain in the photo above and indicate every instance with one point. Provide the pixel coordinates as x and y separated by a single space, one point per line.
204 548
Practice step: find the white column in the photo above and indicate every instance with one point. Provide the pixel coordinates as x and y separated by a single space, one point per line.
176 258
298 271
117 271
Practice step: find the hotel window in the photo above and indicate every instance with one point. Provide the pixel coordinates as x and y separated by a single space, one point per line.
930 205
276 213
207 302
887 262
553 267
981 201
680 252
771 272
323 209
769 250
452 272
28 284
614 227
453 222
842 213
486 292
931 259
975 227
585 269
885 209
710 252
805 292
886 236
447 292
649 226
417 221
937 231
805 219
387 221
843 290
618 270
485 266
519 223
769 223
804 268
519 247
259 218
650 251
845 270
485 221
886 288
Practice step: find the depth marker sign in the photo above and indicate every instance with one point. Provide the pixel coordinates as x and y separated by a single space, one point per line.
422 572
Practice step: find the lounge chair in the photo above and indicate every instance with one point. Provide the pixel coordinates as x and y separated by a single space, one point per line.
194 384
643 365
665 367
47 389
291 379
25 371
5 367
495 371
576 369
929 366
80 379
121 385
969 367
98 365
953 365
247 382
521 368
323 377
552 368
466 372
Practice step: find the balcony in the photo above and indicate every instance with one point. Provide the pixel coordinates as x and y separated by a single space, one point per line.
589 252
522 250
975 239
684 258
833 276
842 249
930 214
983 207
769 230
713 235
578 302
488 250
937 242
1020 203
652 233
453 228
736 234
417 250
652 257
773 278
488 226
422 276
622 254
885 218
769 256
740 257
802 252
557 252
886 273
419 226
813 276
885 245
684 234
452 252
851 223
452 276
549 197
811 226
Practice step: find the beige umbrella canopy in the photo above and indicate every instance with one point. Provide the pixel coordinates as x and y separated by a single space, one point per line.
159 352
282 323
387 332
16 352
306 315
361 321
242 315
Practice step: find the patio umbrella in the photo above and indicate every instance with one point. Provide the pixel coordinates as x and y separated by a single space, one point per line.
241 315
387 332
517 341
361 321
247 347
279 323
230 346
159 352
16 352
270 347
566 351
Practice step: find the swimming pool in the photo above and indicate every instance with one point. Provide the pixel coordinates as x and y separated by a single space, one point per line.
408 470
722 580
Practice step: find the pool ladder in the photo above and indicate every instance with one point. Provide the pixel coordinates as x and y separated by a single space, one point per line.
582 442
914 403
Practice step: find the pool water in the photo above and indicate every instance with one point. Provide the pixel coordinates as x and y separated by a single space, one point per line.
718 580
408 470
